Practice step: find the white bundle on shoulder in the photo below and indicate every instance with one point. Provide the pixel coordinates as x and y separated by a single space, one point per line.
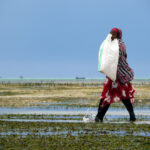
108 57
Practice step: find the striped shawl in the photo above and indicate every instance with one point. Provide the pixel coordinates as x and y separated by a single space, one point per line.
124 73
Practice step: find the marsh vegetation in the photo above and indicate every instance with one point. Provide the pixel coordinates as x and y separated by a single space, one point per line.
61 116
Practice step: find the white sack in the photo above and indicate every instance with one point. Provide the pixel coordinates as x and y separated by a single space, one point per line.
108 57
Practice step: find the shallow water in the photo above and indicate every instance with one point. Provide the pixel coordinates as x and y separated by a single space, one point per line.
24 134
85 120
74 133
67 110
113 115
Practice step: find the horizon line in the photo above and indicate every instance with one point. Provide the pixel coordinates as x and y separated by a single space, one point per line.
80 78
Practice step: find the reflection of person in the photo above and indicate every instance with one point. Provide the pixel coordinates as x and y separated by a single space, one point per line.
121 89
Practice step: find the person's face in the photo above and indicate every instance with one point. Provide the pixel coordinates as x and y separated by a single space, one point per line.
114 34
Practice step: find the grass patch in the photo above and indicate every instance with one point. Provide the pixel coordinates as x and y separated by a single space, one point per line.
88 136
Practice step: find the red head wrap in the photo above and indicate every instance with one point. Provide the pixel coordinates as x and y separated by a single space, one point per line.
115 30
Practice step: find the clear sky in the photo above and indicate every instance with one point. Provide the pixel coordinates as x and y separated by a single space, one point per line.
61 38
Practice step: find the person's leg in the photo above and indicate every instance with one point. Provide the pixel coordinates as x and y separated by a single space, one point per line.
129 107
101 111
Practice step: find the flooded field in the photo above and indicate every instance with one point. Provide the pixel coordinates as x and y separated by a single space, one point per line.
61 116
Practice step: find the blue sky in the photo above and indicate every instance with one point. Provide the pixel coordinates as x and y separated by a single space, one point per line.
61 38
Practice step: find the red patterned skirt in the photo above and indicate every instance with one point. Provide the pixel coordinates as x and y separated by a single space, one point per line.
115 91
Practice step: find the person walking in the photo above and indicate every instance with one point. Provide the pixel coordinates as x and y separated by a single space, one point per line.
121 89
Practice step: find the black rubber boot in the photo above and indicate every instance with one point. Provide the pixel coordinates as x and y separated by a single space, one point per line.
132 116
97 119
129 107
101 112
